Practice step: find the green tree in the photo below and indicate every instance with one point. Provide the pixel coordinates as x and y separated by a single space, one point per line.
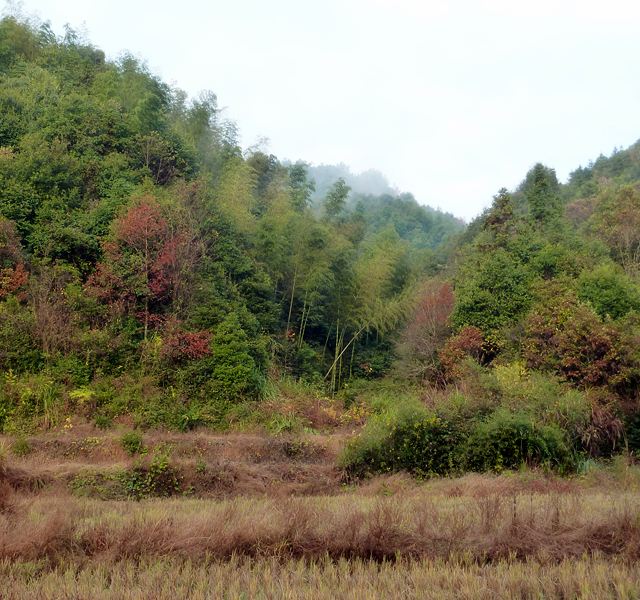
609 291
542 193
336 200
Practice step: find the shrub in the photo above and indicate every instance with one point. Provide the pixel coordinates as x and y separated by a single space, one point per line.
610 292
132 443
103 422
603 434
29 401
416 441
156 478
510 440
632 427
229 373
71 370
153 478
19 348
468 343
565 336
545 398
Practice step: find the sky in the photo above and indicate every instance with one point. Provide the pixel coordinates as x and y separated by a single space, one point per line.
451 100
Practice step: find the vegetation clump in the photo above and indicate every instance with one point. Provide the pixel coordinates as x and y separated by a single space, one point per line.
132 443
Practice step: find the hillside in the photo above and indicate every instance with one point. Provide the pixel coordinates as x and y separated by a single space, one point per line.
223 375
150 266
154 273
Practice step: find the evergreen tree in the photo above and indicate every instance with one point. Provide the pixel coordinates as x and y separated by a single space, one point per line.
542 193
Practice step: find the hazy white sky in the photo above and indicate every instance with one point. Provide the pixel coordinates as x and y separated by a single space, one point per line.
450 99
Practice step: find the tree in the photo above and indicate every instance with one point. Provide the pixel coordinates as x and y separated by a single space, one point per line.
616 221
146 261
611 293
301 186
427 329
336 199
375 298
499 220
542 192
493 291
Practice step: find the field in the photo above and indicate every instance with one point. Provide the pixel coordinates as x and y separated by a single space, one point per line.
259 516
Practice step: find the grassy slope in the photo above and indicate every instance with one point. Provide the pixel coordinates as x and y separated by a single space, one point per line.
273 535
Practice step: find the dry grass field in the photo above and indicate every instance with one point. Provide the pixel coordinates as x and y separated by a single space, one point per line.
251 516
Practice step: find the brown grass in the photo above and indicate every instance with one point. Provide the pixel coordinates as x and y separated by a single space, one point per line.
518 535
414 525
226 466
272 579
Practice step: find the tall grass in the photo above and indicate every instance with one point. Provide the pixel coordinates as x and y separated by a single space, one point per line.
482 528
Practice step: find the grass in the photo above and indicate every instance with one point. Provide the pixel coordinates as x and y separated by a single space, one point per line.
414 524
345 579
252 525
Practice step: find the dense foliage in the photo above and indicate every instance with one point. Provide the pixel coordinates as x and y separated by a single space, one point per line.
536 350
149 266
152 269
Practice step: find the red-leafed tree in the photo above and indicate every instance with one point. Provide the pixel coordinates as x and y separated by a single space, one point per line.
427 329
146 263
13 274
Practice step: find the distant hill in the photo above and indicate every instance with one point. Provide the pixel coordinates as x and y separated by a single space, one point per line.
370 182
381 205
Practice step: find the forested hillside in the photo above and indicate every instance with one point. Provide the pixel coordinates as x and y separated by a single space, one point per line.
528 347
224 374
150 266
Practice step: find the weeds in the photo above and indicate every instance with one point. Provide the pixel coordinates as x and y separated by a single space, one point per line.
21 446
132 443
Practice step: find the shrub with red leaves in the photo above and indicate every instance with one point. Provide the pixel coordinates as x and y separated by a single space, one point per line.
13 274
12 279
186 345
567 337
468 343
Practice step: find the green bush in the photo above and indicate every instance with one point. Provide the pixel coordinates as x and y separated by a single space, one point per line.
545 398
70 370
103 422
411 440
21 446
29 401
132 443
510 440
156 478
19 349
229 374
151 478
632 429
610 292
